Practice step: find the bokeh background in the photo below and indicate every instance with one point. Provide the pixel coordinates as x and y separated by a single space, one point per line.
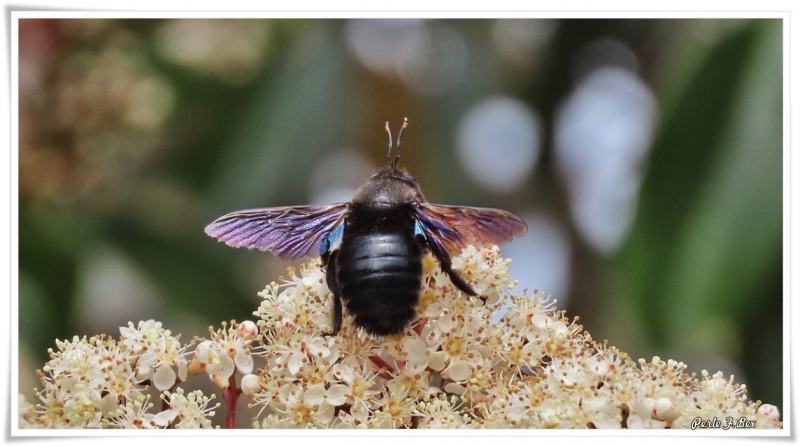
645 155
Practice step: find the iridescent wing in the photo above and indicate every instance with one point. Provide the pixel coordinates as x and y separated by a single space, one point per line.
455 227
288 232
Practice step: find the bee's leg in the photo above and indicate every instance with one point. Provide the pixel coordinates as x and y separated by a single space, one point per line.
337 316
329 258
447 268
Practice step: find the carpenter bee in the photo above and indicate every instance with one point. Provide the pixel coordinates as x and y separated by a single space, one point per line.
372 247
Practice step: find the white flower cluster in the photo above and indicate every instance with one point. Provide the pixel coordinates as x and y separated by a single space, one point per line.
101 382
510 362
191 410
463 364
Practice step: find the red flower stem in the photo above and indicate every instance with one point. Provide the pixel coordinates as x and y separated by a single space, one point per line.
381 367
231 396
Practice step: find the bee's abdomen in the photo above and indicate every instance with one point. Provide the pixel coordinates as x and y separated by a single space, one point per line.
380 276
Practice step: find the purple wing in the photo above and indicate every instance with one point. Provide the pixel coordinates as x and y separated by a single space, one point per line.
288 232
455 227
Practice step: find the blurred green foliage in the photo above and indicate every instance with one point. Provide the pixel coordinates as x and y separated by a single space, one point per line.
700 271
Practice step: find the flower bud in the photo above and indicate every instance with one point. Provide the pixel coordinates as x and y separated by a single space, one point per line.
664 410
247 330
769 411
250 384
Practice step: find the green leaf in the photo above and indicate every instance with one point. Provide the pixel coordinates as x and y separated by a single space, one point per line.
709 217
733 229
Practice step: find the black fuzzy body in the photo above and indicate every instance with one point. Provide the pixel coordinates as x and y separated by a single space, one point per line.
377 272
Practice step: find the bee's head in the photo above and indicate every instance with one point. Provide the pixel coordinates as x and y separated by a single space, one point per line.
389 187
393 174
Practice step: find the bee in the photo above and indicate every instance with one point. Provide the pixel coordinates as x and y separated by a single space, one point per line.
372 247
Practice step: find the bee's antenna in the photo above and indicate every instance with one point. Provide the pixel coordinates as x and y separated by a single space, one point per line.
399 139
389 154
